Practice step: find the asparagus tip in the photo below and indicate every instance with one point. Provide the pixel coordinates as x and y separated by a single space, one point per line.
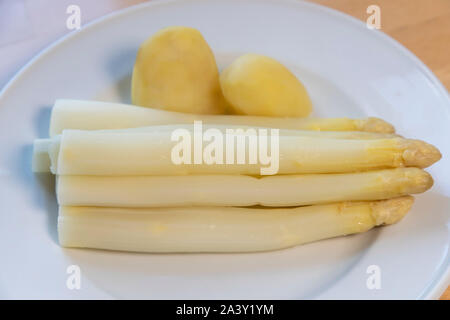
373 124
420 154
392 210
422 181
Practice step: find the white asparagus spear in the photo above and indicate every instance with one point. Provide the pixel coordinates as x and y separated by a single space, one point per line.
220 229
364 135
41 160
239 190
151 153
94 115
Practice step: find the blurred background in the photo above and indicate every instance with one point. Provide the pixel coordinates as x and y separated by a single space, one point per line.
28 26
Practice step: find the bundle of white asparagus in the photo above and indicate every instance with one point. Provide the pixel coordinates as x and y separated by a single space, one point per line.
119 189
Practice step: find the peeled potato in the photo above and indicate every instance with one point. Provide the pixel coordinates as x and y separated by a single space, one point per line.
175 70
261 86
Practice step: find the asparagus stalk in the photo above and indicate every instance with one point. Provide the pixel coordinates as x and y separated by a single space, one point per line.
364 135
41 160
239 190
94 115
220 229
149 153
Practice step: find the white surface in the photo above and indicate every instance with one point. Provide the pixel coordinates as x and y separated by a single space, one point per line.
28 26
349 71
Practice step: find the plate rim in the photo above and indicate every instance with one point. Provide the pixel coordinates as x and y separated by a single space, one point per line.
438 283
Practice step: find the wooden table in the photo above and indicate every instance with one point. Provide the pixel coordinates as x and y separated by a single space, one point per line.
423 26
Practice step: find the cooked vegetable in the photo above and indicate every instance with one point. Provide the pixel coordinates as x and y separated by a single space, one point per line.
41 159
220 229
94 115
261 86
238 190
176 70
150 153
173 173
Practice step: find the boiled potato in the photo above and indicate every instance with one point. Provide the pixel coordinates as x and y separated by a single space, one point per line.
258 85
175 70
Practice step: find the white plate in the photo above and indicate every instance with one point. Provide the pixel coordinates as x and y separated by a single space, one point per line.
349 71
